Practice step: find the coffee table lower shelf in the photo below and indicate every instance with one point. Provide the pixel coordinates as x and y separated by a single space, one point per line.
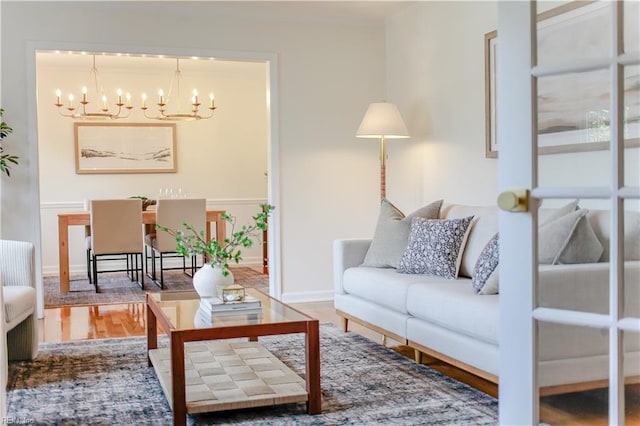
227 376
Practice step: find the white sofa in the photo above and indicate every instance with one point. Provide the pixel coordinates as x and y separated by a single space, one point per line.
17 273
445 318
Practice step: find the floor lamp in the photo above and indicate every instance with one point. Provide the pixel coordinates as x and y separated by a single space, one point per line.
382 120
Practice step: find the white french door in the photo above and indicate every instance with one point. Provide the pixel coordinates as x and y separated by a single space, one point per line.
568 127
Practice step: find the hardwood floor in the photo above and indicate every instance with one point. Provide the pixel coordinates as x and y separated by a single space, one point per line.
126 320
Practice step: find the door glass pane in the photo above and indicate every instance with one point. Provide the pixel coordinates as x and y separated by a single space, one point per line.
573 129
574 32
631 130
572 242
573 374
631 360
631 26
631 308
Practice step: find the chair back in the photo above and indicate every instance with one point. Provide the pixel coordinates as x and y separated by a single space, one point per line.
116 226
172 213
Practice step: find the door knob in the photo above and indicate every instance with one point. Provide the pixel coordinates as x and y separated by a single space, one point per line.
514 201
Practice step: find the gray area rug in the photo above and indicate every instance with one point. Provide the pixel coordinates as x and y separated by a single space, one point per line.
363 383
118 288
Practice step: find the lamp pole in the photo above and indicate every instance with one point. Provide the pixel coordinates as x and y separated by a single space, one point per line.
383 169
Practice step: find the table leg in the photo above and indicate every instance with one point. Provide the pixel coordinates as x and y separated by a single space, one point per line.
63 252
178 380
312 353
152 332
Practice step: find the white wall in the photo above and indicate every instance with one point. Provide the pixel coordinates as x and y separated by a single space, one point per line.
328 72
230 149
435 73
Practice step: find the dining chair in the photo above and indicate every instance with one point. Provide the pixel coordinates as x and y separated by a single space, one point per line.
116 235
172 213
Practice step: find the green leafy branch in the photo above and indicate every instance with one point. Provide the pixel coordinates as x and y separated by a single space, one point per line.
6 159
190 242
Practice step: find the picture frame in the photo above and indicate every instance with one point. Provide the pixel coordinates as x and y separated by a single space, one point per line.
561 129
125 148
490 94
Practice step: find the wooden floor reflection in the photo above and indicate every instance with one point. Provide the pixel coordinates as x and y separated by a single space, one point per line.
92 322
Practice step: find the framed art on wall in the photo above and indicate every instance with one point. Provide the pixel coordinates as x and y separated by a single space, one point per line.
573 109
125 147
491 140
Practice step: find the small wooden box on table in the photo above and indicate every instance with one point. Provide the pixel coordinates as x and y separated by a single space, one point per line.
247 362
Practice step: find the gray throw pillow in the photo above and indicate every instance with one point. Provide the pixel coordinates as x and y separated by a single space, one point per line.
485 273
392 232
549 215
435 247
568 239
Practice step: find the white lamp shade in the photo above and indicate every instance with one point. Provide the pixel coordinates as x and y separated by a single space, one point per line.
382 119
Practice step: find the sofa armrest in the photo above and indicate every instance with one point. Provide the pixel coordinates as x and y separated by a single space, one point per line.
585 287
347 254
17 263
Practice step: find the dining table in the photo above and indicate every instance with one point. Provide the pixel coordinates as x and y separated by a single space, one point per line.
83 218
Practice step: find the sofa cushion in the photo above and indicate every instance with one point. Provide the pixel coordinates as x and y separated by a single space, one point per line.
455 306
435 247
568 239
385 287
485 273
483 228
392 231
19 302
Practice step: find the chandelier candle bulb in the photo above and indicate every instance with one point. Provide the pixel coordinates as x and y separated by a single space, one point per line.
128 96
101 112
144 100
211 99
58 94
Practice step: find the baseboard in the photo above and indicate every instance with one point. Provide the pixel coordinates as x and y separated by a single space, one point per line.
307 296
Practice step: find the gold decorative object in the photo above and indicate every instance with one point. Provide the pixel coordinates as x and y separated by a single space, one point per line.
233 293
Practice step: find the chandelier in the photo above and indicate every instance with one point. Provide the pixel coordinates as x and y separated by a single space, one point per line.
104 112
163 101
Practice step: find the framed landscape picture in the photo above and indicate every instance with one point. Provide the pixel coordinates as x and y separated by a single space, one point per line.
573 109
125 147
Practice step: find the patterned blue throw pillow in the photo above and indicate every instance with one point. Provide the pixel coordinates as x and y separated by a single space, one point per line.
485 273
435 247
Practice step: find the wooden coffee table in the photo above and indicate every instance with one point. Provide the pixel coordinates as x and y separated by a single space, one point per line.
213 375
